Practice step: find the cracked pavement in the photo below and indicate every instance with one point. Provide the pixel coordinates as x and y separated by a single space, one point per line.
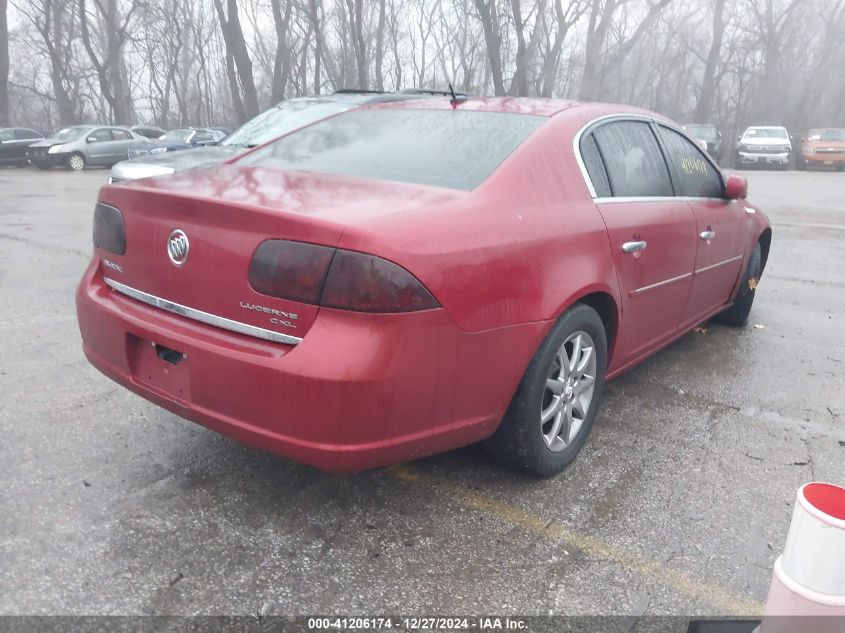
679 503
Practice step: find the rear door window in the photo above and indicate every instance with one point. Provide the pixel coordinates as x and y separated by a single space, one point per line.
695 174
634 160
444 148
23 134
100 135
120 135
595 166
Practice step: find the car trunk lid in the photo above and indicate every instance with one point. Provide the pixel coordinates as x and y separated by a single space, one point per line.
223 215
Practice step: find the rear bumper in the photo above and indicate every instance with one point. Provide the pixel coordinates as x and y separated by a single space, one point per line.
359 391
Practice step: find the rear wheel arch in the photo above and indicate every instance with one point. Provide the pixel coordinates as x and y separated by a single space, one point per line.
765 241
605 304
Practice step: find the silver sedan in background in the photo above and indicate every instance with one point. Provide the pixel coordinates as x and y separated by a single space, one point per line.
78 146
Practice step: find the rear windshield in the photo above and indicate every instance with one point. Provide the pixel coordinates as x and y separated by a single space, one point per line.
443 148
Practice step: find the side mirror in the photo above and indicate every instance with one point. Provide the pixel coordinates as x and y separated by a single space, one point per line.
91 139
736 188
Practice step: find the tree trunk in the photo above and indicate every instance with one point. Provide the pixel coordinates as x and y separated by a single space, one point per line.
282 62
238 63
379 53
316 23
596 32
110 70
4 65
704 106
490 24
359 47
52 30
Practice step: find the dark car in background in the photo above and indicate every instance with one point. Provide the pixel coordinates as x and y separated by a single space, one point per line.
708 137
175 140
285 117
822 147
148 131
14 142
78 146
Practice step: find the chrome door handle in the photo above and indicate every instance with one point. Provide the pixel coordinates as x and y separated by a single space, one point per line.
633 247
709 234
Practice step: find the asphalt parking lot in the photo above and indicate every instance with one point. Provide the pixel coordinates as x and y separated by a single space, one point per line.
679 503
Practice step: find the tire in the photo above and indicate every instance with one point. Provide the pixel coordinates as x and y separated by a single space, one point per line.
737 314
522 440
76 162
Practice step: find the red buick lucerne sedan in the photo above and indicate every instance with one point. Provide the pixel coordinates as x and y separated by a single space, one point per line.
407 278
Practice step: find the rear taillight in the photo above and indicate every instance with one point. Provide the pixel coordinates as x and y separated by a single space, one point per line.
366 283
335 278
109 233
290 270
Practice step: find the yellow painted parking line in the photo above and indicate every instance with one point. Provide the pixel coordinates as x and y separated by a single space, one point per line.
727 601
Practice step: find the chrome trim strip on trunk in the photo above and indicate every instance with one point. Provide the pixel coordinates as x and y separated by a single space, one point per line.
661 283
717 264
203 317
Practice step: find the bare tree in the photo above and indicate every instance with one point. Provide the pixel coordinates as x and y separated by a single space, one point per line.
488 12
704 106
238 62
771 20
55 22
565 19
201 61
596 63
109 64
283 58
4 64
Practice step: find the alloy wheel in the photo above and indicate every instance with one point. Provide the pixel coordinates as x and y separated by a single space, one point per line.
76 162
568 393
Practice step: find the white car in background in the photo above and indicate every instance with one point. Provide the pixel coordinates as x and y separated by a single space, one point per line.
763 146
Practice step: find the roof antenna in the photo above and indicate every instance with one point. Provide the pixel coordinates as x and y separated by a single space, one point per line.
455 101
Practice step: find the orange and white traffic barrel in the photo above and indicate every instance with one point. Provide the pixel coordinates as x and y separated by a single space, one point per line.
807 593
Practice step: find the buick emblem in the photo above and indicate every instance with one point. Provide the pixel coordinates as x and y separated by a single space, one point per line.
178 247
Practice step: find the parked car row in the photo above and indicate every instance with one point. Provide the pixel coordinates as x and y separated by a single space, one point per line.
772 146
174 140
78 146
285 117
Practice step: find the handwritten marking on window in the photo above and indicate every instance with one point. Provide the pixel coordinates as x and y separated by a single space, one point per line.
692 165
